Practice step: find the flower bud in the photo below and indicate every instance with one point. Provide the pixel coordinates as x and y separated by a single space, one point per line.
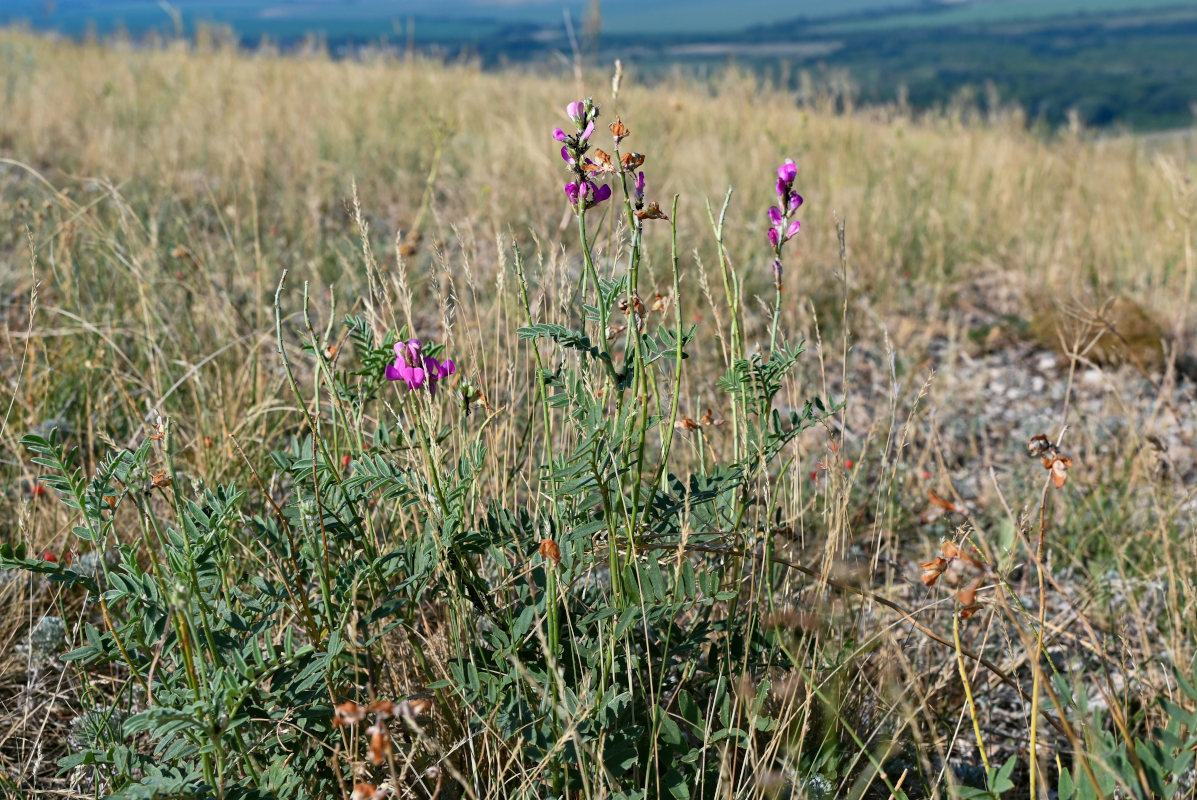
788 171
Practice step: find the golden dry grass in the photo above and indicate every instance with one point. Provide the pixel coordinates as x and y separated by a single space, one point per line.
156 194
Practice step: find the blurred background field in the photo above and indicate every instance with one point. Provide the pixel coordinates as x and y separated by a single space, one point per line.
1004 272
1114 63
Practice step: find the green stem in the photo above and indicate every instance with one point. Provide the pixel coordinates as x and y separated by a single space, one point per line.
667 443
541 379
731 290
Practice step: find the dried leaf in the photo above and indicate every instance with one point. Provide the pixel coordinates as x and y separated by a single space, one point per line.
348 713
619 130
1059 469
951 550
415 707
550 551
968 595
385 709
600 164
1039 446
933 569
946 505
968 611
380 744
651 211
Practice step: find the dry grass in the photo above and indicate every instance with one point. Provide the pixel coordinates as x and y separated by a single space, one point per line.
154 196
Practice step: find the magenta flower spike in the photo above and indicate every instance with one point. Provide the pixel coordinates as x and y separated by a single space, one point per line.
788 171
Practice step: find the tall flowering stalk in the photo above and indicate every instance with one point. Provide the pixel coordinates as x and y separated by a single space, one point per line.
588 166
583 192
783 226
418 371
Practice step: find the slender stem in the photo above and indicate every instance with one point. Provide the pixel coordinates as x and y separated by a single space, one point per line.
968 691
731 290
675 394
776 316
588 259
541 379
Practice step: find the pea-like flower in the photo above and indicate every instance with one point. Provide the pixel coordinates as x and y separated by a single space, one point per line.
586 194
788 171
409 364
437 371
416 369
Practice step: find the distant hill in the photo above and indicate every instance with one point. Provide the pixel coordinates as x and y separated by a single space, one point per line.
1114 62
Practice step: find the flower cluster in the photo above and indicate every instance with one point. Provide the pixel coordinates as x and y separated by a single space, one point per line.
582 192
416 369
783 222
350 713
963 563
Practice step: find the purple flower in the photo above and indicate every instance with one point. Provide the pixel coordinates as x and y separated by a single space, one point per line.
783 189
559 134
586 133
576 111
775 237
795 201
777 271
437 371
587 194
416 369
565 156
408 366
788 171
775 216
639 193
792 231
